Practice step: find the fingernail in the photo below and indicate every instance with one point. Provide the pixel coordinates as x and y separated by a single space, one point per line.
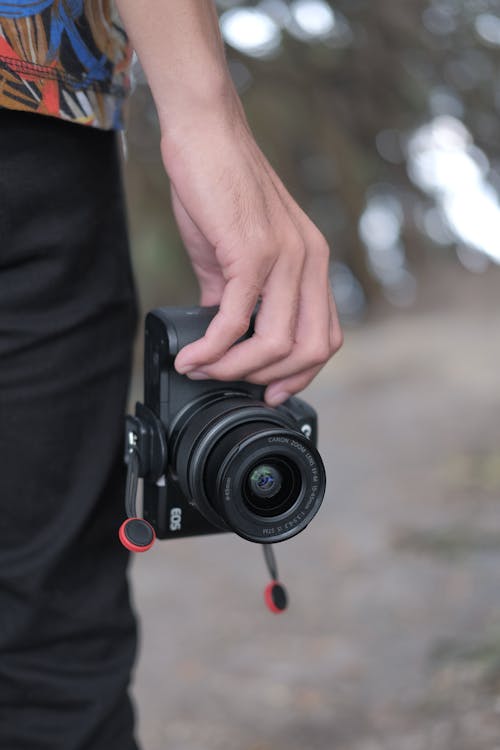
275 399
197 375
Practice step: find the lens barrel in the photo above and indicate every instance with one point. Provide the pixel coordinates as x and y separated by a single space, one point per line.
247 467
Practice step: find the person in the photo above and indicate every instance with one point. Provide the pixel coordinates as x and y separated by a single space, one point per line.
68 315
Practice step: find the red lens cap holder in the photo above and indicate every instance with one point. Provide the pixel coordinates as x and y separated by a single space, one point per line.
137 535
276 597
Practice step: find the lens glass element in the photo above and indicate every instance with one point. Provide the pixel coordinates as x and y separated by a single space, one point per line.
272 488
265 481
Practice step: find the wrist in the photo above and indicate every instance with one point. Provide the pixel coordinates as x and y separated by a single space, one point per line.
214 105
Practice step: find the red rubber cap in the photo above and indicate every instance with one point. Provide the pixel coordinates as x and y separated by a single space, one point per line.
137 535
275 597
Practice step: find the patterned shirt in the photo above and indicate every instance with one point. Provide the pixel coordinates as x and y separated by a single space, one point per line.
65 58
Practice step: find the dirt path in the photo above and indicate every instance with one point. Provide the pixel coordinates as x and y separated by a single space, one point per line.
392 640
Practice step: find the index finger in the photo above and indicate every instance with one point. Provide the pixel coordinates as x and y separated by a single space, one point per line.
232 321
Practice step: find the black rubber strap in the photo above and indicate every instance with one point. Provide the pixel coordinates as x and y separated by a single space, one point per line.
131 485
270 561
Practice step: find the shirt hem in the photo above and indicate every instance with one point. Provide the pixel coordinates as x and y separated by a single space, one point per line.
44 71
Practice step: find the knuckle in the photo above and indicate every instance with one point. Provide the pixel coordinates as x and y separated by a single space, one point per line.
319 353
279 347
337 340
262 252
320 245
319 239
239 328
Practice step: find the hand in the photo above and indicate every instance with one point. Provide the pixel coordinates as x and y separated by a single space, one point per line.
248 239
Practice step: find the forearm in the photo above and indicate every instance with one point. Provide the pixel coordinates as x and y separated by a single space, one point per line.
246 236
181 51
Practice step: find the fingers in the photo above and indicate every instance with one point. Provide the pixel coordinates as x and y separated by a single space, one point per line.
319 336
231 322
312 346
275 326
297 331
280 390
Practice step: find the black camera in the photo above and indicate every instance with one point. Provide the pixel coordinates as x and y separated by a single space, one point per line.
214 457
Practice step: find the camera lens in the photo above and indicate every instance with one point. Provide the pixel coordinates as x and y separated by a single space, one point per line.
264 481
247 467
271 488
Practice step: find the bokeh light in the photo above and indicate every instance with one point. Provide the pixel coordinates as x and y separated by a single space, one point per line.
488 28
251 31
314 17
443 161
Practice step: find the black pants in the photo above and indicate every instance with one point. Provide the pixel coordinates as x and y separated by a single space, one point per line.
67 319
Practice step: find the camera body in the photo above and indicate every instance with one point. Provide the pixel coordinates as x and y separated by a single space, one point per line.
214 457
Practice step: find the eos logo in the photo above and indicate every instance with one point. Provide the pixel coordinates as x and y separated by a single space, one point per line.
175 519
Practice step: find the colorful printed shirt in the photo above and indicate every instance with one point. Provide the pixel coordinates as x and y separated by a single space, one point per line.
65 58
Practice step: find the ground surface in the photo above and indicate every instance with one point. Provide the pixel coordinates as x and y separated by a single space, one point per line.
392 639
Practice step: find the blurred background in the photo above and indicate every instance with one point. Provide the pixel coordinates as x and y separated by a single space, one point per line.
383 121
